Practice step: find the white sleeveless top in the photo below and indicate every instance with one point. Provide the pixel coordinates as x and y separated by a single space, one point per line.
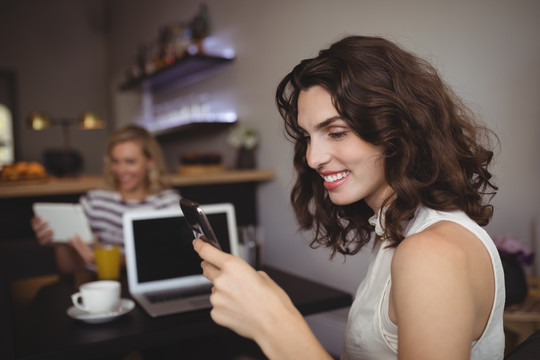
370 333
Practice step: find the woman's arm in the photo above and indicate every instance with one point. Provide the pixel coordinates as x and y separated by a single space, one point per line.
71 257
68 261
254 306
84 251
434 298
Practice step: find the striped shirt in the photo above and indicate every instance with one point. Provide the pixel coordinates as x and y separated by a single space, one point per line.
105 208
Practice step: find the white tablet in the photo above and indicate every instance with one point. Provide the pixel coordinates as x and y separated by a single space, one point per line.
66 220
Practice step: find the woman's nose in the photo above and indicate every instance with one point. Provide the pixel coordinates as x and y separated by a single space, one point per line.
316 156
118 168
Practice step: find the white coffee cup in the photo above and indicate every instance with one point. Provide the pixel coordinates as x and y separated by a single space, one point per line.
98 296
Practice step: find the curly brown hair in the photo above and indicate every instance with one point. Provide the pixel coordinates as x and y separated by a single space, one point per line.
436 152
156 177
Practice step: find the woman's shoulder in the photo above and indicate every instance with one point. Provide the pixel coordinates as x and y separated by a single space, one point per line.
426 217
101 194
97 199
164 198
442 246
440 239
438 255
168 193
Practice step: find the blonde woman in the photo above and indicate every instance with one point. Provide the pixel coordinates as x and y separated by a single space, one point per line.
135 177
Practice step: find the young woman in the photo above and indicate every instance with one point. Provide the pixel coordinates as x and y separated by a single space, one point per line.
135 175
386 154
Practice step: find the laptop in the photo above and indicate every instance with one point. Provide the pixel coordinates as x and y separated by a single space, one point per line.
164 272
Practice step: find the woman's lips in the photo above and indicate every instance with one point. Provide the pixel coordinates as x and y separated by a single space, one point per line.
333 181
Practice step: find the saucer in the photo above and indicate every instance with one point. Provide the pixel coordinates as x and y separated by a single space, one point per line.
126 305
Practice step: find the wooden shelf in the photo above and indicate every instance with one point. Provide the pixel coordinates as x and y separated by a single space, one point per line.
81 184
189 69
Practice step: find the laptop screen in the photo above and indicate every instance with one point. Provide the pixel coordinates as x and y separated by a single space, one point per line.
164 250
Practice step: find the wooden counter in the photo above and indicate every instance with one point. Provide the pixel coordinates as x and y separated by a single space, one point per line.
237 187
81 184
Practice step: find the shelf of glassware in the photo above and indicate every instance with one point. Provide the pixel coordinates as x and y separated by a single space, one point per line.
174 114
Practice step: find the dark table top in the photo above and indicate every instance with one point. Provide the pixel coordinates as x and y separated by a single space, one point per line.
48 332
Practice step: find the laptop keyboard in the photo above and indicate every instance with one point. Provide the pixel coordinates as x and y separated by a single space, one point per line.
178 294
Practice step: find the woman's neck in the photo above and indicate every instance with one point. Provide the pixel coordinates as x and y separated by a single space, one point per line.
135 195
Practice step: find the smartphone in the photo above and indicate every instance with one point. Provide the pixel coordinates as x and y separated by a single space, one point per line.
198 222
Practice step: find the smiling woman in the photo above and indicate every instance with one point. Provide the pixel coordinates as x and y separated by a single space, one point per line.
135 175
413 163
382 147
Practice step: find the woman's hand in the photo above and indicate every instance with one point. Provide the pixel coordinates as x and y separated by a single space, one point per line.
44 233
254 306
241 295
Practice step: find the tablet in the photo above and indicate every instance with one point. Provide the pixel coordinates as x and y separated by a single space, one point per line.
66 220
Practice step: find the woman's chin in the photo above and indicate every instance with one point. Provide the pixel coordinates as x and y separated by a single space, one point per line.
127 188
340 200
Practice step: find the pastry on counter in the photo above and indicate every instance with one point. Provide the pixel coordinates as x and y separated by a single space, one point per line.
23 170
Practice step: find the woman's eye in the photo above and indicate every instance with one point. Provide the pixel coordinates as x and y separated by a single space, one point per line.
337 134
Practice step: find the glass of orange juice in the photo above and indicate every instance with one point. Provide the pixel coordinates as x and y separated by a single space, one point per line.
107 259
